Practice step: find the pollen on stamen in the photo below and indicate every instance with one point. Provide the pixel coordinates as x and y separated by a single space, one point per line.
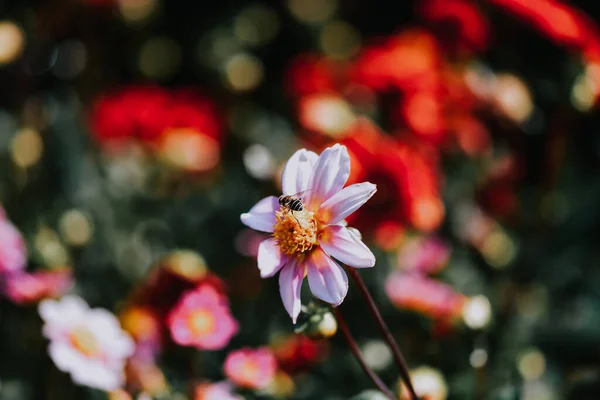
295 231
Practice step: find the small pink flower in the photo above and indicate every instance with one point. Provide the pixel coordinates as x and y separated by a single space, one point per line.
419 293
13 252
25 288
202 319
251 368
87 343
215 391
304 242
426 255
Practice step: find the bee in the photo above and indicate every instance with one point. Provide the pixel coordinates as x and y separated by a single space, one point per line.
293 202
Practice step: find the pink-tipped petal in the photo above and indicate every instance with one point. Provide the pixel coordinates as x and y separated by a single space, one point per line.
270 258
345 202
330 174
340 243
297 172
262 216
327 280
290 285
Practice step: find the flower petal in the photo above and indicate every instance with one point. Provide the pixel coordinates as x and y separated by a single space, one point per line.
270 258
342 244
297 172
329 175
327 280
345 202
262 216
290 285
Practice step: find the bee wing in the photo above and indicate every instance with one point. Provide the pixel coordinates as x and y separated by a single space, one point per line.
301 195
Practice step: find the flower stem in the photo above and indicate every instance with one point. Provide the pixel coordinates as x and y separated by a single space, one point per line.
356 351
398 358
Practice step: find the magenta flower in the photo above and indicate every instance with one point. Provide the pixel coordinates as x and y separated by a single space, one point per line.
426 255
420 293
304 242
202 319
25 288
13 252
251 368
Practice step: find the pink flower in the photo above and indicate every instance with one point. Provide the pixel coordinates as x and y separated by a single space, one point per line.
202 319
87 343
24 288
304 242
13 252
251 368
426 255
215 391
419 293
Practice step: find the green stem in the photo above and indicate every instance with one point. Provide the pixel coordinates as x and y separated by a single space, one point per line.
398 358
356 351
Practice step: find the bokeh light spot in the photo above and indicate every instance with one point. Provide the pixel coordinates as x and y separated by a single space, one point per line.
313 11
256 25
26 147
135 11
477 312
12 41
76 227
243 72
531 364
339 39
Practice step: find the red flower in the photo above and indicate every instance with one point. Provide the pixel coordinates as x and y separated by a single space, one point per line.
181 126
309 74
406 177
131 113
459 24
297 353
407 61
424 113
563 23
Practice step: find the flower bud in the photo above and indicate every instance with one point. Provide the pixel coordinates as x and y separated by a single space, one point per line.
317 323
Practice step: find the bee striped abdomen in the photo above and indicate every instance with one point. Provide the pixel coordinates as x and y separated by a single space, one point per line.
292 203
296 205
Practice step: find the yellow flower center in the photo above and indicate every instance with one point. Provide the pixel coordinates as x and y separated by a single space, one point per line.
295 231
85 341
249 373
201 322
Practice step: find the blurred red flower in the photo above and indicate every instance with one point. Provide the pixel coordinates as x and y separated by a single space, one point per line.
311 73
407 179
561 22
297 353
181 126
458 23
407 61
